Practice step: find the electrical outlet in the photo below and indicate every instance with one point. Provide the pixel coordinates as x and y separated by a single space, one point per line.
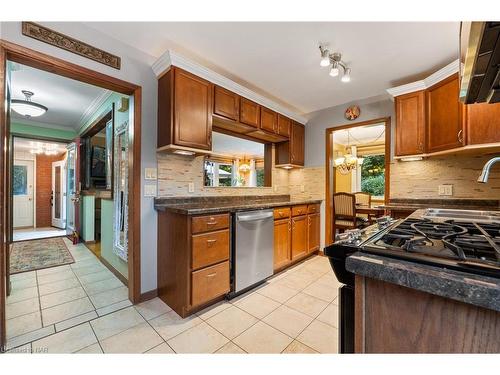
302 188
446 190
275 188
191 187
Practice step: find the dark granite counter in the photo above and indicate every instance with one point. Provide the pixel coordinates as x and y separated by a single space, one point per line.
216 204
459 204
473 289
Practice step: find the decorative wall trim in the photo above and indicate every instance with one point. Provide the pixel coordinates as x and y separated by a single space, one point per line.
52 37
448 70
170 58
92 108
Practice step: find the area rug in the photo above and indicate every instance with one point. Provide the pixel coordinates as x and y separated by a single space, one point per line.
37 254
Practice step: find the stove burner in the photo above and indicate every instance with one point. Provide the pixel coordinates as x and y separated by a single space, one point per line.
467 245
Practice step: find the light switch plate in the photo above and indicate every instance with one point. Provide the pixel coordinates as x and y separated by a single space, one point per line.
150 173
150 190
446 190
191 187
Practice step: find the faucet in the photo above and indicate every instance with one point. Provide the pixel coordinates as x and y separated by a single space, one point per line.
486 169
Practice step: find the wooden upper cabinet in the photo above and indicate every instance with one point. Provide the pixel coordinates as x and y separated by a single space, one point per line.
297 139
284 124
268 120
410 123
444 123
184 110
483 123
249 112
226 103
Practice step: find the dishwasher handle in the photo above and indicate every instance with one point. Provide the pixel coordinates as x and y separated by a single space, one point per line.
255 217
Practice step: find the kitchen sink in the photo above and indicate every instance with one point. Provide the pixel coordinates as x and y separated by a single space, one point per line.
463 215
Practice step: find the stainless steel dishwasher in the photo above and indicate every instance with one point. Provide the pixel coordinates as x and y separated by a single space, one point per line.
253 248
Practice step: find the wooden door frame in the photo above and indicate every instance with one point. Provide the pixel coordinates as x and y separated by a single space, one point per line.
330 175
14 52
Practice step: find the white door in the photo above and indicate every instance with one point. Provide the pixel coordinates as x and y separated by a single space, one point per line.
58 194
72 194
22 191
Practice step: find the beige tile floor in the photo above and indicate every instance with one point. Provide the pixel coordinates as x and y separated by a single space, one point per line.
83 308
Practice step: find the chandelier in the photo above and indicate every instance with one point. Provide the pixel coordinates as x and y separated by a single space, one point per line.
335 60
347 162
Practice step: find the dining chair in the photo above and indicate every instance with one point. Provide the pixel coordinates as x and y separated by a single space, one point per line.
344 213
363 199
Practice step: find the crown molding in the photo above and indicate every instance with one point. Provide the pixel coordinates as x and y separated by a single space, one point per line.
171 58
40 124
445 72
92 108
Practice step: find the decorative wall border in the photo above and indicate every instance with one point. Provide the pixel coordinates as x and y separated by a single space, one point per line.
54 38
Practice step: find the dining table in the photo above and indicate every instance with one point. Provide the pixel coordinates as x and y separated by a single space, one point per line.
371 211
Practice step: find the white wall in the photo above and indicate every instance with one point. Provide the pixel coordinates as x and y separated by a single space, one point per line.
136 68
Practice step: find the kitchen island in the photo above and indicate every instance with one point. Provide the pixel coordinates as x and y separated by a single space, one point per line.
406 306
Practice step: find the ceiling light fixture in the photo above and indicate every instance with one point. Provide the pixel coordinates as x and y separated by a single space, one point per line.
347 162
27 107
335 60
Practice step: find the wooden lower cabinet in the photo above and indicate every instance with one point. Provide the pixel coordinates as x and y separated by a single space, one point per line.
296 234
209 283
193 260
313 227
282 241
299 237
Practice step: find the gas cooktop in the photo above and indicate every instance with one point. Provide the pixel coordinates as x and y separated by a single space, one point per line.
466 246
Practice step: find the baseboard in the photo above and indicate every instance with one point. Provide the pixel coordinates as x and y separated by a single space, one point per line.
114 271
148 295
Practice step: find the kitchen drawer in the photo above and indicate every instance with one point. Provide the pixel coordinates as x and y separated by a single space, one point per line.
313 209
282 212
299 210
200 224
209 283
210 248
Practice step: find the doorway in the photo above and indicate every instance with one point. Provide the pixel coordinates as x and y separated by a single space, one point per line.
38 188
18 54
348 148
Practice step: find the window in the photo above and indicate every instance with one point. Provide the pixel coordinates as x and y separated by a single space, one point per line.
20 180
373 175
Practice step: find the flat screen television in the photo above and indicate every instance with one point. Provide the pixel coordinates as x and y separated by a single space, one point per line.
98 162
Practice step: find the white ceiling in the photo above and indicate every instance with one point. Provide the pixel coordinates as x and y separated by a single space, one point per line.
67 100
360 135
234 147
281 59
25 144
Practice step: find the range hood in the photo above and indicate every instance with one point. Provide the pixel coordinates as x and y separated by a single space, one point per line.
480 62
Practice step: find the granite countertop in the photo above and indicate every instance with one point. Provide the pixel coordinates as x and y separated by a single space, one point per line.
214 204
459 204
473 289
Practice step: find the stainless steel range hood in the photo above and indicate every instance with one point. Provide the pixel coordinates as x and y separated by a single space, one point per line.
480 62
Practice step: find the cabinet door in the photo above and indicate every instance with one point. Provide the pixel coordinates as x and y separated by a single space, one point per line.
226 103
299 237
282 232
483 123
313 232
284 124
410 115
249 113
444 116
297 144
193 111
268 120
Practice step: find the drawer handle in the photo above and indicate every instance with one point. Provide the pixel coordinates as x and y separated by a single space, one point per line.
459 136
211 242
281 213
212 274
211 222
